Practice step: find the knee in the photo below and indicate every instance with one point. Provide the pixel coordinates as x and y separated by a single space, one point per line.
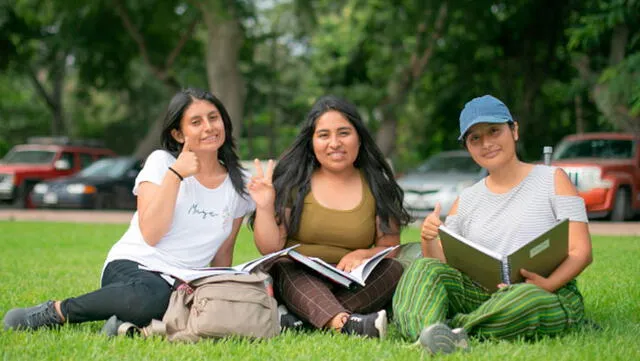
145 304
393 267
425 267
532 294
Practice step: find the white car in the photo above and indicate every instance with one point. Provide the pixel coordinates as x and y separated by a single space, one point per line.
440 179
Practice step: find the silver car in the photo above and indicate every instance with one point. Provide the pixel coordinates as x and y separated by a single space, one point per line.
440 179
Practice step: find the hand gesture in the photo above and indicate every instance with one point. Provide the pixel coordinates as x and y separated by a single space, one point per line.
187 163
260 187
430 225
536 279
352 260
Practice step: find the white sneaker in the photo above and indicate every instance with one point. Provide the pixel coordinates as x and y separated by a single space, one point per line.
439 338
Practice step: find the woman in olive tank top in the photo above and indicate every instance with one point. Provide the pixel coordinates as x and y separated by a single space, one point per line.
334 195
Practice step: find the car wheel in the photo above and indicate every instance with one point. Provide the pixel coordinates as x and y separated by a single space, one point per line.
23 195
622 206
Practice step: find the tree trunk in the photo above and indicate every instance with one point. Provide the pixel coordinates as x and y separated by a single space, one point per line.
386 136
224 40
59 127
151 140
577 100
53 98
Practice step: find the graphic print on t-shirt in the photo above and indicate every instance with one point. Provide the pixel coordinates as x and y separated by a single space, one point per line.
199 212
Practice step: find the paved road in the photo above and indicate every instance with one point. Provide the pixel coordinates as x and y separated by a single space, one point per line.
123 217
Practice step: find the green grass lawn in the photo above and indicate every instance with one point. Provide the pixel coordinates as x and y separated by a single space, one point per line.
40 261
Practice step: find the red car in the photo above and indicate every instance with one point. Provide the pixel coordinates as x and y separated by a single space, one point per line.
605 167
42 159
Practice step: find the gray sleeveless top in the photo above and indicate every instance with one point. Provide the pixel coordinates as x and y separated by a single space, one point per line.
504 222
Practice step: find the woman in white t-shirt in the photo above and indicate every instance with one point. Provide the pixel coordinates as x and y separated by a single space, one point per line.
191 202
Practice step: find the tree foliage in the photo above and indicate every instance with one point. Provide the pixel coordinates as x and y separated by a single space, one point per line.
107 68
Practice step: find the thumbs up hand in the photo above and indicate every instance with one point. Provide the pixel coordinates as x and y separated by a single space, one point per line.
187 163
430 225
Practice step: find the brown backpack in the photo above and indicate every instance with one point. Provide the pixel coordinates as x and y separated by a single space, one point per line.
219 306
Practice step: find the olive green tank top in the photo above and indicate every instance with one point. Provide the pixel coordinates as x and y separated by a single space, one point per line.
330 234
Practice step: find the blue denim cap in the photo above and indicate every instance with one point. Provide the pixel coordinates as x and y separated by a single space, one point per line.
484 109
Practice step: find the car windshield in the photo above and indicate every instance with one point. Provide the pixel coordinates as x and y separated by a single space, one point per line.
596 148
460 163
29 157
107 167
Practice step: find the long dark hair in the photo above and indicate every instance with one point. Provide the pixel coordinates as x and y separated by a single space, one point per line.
292 175
227 155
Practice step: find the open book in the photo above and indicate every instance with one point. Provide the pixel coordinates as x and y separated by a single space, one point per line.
541 255
357 276
191 274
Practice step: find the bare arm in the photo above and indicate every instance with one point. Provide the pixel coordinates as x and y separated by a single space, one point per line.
431 246
580 255
224 255
156 204
268 234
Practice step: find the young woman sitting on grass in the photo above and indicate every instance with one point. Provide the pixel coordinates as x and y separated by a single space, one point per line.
334 194
191 202
512 205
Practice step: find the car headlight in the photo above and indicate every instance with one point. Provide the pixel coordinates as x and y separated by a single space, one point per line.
40 188
79 188
6 178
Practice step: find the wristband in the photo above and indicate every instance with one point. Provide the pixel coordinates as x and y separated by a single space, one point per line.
177 174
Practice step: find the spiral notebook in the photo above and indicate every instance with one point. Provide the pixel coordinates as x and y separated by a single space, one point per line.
541 255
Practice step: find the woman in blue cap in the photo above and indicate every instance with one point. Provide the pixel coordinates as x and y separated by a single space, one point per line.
439 304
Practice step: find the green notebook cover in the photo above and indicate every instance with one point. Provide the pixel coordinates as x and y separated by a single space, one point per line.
541 255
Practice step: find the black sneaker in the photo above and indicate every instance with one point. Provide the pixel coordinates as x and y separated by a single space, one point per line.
371 325
439 338
115 327
289 321
32 318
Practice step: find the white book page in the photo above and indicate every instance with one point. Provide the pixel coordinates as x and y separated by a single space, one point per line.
364 270
337 270
188 275
360 273
251 265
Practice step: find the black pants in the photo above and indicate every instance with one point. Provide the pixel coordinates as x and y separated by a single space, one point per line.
132 294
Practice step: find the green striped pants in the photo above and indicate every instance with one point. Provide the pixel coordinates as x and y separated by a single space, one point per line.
431 291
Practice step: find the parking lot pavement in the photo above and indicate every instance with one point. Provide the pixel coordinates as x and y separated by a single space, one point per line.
124 217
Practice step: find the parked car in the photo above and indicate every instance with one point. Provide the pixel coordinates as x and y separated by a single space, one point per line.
440 179
605 167
105 184
42 159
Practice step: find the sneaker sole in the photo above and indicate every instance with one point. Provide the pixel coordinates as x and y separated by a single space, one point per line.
381 324
110 330
439 338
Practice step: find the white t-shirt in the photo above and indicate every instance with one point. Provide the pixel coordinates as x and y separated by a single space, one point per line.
202 220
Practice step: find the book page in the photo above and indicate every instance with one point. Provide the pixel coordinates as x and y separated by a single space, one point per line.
188 275
363 271
253 264
360 273
337 270
324 269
